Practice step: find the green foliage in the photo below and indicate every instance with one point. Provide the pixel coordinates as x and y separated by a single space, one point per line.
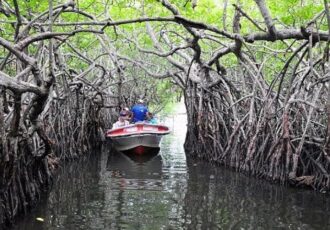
286 13
294 12
167 97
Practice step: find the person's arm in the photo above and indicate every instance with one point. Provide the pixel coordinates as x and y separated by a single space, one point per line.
115 125
130 116
145 113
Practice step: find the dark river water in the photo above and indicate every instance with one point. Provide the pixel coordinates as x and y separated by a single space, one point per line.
111 190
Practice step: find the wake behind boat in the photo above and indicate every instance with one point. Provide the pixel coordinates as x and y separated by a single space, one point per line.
137 136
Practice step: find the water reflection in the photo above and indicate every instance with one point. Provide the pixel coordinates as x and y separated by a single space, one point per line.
165 191
234 201
128 171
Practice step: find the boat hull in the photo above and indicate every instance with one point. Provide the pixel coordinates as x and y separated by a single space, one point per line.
137 136
130 142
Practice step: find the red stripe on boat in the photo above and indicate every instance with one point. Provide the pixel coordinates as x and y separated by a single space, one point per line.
138 129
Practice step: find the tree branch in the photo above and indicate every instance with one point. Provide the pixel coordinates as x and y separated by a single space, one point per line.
48 35
248 17
267 17
18 86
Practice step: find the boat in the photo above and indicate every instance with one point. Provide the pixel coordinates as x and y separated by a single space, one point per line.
138 137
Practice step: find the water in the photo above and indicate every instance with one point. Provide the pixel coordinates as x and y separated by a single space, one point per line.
167 191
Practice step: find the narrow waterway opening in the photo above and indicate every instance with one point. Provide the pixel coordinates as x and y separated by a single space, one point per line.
165 190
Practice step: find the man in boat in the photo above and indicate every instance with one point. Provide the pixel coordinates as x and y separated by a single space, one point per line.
129 115
139 112
121 120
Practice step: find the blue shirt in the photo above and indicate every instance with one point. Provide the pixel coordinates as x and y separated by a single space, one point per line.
139 112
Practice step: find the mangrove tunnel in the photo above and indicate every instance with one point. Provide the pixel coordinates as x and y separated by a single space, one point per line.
254 77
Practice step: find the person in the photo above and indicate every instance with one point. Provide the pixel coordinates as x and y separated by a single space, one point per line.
151 119
129 114
139 111
121 121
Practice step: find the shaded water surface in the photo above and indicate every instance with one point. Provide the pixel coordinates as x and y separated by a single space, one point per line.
165 191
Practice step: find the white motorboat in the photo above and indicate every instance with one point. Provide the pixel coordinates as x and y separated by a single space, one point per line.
137 136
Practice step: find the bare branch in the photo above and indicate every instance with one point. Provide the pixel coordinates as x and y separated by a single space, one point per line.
248 17
287 34
18 86
21 55
267 17
48 35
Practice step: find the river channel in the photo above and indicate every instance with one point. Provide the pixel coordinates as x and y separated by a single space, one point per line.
111 190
